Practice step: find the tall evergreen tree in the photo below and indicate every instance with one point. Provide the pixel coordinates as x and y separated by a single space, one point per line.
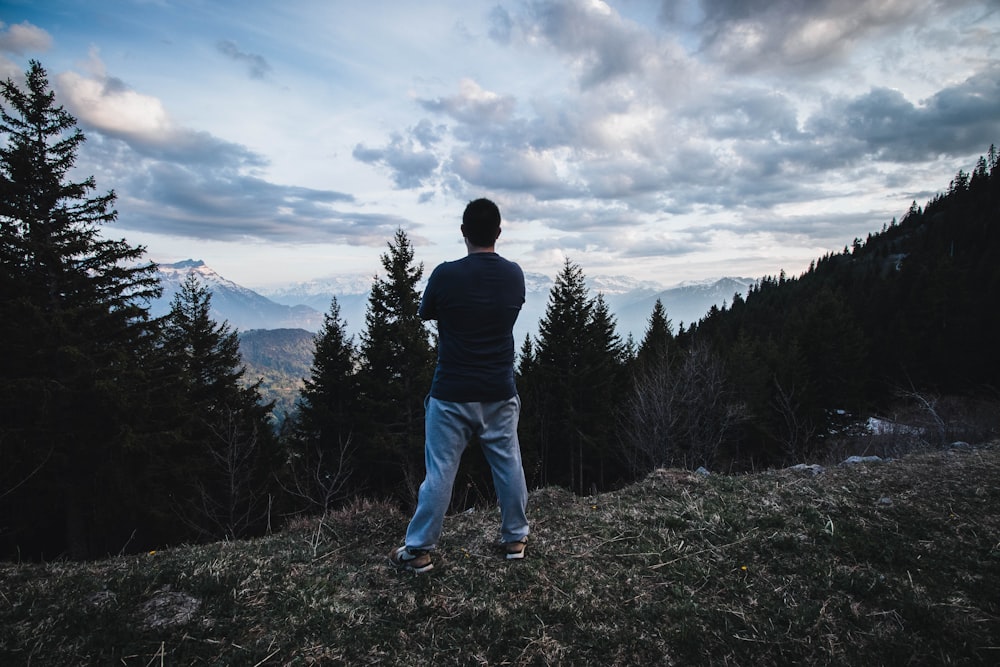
658 337
73 325
320 451
228 456
396 364
835 351
561 379
527 380
605 362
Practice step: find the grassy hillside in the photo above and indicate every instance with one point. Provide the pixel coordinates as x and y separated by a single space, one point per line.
886 563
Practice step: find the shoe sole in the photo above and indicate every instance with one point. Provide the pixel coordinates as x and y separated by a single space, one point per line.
417 570
515 555
405 565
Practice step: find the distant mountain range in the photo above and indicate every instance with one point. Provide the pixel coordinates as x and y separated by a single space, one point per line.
243 308
302 305
276 326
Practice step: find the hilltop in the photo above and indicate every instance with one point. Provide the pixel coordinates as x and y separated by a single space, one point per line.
880 562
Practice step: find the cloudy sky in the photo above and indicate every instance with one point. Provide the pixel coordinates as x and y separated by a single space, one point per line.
665 140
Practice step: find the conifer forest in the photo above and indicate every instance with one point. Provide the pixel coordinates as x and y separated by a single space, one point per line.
122 432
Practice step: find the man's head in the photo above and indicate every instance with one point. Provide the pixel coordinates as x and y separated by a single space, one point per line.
481 223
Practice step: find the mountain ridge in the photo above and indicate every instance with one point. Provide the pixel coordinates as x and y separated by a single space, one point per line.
243 308
302 305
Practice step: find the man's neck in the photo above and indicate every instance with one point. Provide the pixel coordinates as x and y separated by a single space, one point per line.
473 249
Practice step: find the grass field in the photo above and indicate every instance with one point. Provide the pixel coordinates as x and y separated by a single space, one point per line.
890 563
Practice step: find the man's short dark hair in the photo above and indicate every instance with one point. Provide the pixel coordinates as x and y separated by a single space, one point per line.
481 222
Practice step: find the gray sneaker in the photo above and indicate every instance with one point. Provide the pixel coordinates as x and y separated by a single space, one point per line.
515 550
415 560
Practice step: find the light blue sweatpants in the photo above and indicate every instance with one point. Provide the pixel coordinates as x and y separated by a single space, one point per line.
448 428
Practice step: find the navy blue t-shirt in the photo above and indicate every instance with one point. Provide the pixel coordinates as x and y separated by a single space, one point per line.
475 301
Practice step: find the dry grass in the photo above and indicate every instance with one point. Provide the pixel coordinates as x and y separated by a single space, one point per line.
894 563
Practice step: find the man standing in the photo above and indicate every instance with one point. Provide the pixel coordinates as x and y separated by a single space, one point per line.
476 301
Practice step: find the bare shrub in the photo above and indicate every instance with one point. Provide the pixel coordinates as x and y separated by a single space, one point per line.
795 432
680 412
318 477
942 420
228 498
917 421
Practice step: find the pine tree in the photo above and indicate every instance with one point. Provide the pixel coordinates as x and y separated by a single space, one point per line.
396 364
603 373
658 337
228 455
73 325
561 385
320 451
526 378
835 348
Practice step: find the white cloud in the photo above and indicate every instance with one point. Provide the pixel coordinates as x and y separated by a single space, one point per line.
750 35
522 170
474 105
654 137
110 107
23 38
601 45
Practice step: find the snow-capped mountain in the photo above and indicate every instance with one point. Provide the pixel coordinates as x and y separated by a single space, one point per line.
243 308
317 293
351 291
302 305
619 293
631 300
685 303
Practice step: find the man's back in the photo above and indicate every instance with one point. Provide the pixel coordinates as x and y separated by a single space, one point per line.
476 301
